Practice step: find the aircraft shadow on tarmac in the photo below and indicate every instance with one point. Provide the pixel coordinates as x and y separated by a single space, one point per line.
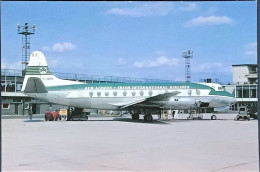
160 121
115 119
125 120
34 120
139 121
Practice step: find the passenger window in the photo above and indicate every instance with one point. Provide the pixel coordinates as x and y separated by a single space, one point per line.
189 92
141 93
198 92
91 93
124 93
133 93
98 93
115 93
150 92
106 93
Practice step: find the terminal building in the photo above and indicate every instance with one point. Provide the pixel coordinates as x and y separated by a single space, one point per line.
14 102
244 87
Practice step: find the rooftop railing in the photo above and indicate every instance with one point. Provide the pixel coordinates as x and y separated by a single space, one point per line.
11 72
87 78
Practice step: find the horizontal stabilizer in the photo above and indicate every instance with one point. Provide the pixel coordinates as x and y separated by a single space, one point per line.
35 85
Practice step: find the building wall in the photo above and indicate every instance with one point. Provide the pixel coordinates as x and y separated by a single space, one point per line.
16 108
230 88
239 74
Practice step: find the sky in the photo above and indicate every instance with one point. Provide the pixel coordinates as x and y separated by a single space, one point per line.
134 39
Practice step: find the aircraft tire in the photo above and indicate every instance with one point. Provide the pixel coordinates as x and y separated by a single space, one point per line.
148 118
135 116
213 117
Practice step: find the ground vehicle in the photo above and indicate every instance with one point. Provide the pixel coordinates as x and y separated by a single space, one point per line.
252 114
62 113
51 115
243 113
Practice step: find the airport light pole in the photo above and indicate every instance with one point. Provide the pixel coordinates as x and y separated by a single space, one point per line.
26 31
187 55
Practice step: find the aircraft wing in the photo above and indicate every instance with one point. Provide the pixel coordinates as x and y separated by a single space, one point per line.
127 104
163 96
146 101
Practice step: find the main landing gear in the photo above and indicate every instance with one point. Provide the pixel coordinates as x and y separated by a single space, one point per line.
135 116
76 114
147 117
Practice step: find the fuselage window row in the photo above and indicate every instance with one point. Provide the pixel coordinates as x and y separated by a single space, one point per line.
132 93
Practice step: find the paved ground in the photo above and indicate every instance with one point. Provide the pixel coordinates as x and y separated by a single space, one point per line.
120 144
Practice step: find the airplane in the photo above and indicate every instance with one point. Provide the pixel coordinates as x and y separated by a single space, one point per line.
136 98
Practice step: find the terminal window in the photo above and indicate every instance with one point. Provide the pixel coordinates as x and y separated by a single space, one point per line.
6 106
26 105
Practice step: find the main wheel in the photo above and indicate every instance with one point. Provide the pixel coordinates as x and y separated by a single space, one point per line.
213 117
135 116
148 118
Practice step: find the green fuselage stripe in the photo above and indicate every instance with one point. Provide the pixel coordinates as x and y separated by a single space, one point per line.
138 86
129 86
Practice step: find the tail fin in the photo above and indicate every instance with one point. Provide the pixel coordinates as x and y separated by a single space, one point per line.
38 68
